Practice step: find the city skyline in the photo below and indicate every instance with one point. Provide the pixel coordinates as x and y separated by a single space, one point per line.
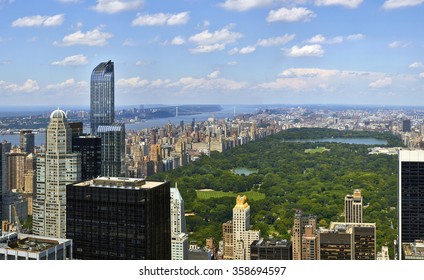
222 52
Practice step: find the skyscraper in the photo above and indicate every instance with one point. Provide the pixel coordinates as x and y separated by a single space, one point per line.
119 219
243 237
112 149
57 168
179 237
411 197
353 207
4 148
300 221
102 96
27 141
91 158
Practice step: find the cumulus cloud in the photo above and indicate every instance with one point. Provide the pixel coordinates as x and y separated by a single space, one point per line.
421 75
36 21
214 74
161 19
398 44
381 83
244 5
245 50
93 37
276 41
207 84
416 65
290 15
346 3
178 41
395 4
29 86
307 50
213 41
321 39
73 60
69 83
116 6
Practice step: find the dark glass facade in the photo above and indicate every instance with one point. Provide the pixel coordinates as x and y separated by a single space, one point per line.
102 96
412 201
27 141
119 223
271 250
91 159
112 150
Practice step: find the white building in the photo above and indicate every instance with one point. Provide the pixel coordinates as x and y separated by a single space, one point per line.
179 237
57 168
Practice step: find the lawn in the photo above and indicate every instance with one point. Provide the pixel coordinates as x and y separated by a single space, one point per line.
251 195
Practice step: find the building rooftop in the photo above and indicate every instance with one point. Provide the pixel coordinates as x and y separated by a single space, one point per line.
32 243
119 182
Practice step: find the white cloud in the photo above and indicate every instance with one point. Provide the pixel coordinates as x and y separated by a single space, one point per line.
94 37
216 41
116 6
129 42
244 5
321 39
421 75
205 84
35 21
275 41
214 74
307 50
381 83
398 44
29 86
394 4
133 82
416 65
162 19
69 83
245 50
346 3
73 60
290 15
178 41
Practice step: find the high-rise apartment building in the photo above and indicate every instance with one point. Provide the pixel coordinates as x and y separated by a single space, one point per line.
243 236
102 96
353 207
309 244
55 169
348 241
271 250
4 148
411 197
227 237
27 141
119 219
91 158
179 236
112 149
300 221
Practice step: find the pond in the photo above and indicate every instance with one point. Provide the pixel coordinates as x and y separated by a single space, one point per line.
244 171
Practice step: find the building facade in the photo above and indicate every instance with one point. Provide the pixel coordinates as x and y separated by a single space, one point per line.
300 221
4 149
411 197
55 169
243 236
89 147
112 149
271 250
27 141
119 219
353 207
179 236
102 96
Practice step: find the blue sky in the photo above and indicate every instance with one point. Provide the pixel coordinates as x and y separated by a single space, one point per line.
220 52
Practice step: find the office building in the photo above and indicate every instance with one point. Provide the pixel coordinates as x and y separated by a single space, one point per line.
112 149
89 147
353 207
27 141
4 149
271 250
102 96
55 169
309 244
411 197
179 234
32 247
348 241
119 219
300 221
406 125
227 237
243 236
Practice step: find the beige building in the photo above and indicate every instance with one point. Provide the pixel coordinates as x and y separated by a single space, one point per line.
309 244
353 207
243 237
227 237
300 222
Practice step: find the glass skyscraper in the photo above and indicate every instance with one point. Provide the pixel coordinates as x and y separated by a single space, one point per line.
102 96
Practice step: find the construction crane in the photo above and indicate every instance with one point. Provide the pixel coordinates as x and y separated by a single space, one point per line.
17 222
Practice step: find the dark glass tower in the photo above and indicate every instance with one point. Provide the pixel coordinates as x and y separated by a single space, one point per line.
119 219
102 96
112 149
4 148
411 197
27 141
91 160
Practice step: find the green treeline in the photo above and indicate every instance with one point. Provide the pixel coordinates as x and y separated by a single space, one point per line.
292 179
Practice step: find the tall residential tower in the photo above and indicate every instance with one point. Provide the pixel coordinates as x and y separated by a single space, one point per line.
102 96
353 207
